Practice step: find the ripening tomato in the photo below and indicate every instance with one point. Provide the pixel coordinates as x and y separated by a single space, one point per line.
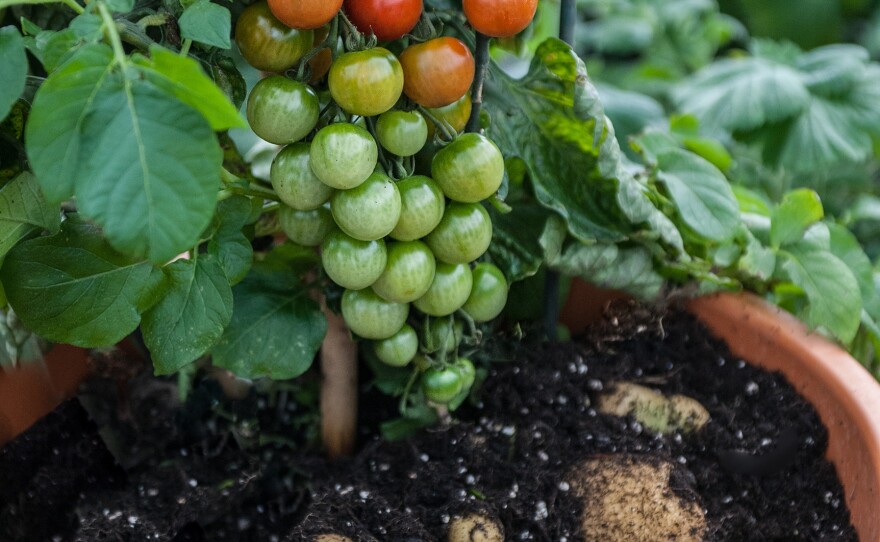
366 82
305 14
281 110
456 115
320 63
387 19
437 72
499 18
370 316
266 43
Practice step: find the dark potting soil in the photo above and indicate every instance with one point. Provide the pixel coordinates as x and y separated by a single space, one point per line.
213 469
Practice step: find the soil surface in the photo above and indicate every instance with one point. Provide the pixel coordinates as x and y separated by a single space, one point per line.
132 463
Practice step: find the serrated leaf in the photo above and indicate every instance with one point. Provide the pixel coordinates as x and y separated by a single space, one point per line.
757 260
208 23
276 329
24 211
74 288
53 134
701 194
833 293
228 243
742 94
13 69
191 317
798 210
183 78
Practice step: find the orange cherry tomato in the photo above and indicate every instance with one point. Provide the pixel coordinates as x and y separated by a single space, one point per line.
499 18
437 72
305 14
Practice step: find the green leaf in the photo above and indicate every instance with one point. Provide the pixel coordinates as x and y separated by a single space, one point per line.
120 6
53 49
183 78
7 3
87 26
276 328
846 246
13 69
228 242
54 130
742 94
701 194
798 210
605 265
74 288
192 316
208 23
757 261
552 119
629 112
515 248
24 211
833 293
832 70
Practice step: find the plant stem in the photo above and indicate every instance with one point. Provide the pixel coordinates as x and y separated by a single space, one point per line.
184 49
481 58
567 20
74 6
444 127
112 33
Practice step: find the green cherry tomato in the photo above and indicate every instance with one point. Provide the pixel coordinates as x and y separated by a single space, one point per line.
343 155
441 385
443 331
448 291
366 82
306 228
351 263
422 205
488 294
469 169
370 316
293 179
369 210
408 273
403 133
467 371
268 44
398 349
463 235
281 110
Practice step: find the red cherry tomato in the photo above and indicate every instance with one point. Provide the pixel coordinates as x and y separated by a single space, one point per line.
387 19
305 14
499 18
437 72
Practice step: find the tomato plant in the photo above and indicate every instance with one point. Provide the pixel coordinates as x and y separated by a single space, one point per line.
305 14
266 43
387 19
437 72
366 82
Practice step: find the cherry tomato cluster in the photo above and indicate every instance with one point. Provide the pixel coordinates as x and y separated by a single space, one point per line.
393 239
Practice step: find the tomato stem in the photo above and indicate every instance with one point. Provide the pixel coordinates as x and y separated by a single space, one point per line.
444 127
481 59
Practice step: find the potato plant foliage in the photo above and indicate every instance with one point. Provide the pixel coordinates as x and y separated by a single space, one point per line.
125 200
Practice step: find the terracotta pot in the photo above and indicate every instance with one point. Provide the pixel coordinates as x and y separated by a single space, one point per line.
846 396
31 391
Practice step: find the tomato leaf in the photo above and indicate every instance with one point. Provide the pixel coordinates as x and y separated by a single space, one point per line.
74 288
53 134
191 318
833 293
605 265
228 243
13 69
515 248
276 328
183 78
208 23
701 194
798 210
552 119
24 211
